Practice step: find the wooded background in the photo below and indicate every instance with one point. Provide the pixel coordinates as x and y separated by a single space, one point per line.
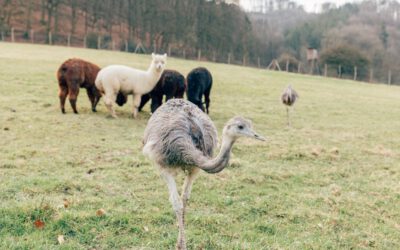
359 37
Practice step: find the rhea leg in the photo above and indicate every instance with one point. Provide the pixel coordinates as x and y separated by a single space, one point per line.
288 116
187 189
177 206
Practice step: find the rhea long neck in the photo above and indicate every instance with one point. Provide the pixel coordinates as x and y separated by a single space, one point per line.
221 161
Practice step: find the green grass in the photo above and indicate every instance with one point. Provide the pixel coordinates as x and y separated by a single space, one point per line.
329 182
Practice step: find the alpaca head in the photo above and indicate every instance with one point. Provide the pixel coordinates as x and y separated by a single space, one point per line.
240 127
159 62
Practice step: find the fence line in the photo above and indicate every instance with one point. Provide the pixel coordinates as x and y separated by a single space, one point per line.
124 45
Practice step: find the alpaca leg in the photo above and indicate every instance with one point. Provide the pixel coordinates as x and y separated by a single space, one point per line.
177 206
96 101
109 99
73 95
144 99
63 95
92 97
136 103
207 99
187 189
201 103
156 102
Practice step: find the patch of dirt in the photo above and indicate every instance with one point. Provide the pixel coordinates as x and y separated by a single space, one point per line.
381 150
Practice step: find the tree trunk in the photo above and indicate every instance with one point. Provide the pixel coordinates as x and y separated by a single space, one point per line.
29 15
73 16
42 11
56 19
49 15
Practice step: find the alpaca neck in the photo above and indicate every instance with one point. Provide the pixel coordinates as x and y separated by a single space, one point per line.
221 161
152 78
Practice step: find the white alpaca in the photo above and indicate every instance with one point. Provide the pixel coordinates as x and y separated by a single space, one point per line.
115 78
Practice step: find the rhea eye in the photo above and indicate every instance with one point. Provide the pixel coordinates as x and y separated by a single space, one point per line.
240 127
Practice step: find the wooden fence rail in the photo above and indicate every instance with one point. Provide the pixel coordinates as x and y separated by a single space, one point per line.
69 40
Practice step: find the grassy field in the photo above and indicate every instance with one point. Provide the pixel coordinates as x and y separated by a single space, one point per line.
332 181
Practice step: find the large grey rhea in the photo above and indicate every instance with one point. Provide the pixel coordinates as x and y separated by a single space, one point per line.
179 136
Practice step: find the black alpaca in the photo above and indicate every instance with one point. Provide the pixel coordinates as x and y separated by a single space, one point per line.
171 84
199 83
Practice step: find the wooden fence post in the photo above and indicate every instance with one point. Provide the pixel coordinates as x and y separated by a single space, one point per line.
312 67
84 42
184 53
199 55
169 49
244 60
2 35
390 77
50 38
355 73
371 75
287 65
299 67
98 42
340 71
326 70
214 56
113 45
12 35
229 58
126 46
69 40
155 46
32 36
258 62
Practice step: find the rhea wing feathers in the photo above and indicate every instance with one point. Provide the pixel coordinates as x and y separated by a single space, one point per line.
180 134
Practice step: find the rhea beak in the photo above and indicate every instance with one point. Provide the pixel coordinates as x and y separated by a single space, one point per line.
250 133
258 137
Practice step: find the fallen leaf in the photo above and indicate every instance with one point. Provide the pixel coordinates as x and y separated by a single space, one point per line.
334 150
100 212
91 171
60 239
336 190
66 203
39 224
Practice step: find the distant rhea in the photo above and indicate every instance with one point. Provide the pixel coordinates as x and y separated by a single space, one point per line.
179 136
289 97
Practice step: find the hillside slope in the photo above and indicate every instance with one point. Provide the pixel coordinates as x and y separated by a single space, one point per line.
331 181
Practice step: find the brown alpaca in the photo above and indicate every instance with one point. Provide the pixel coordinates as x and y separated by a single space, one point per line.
74 74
